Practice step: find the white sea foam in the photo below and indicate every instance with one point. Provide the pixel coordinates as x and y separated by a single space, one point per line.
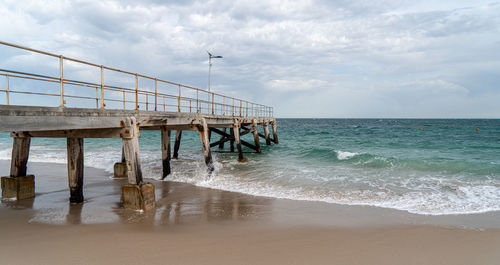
426 195
5 154
472 199
415 193
342 155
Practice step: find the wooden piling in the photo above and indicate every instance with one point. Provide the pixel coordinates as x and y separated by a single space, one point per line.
177 144
19 185
236 134
123 155
20 154
165 151
136 195
205 143
221 144
75 169
275 131
256 135
131 150
231 141
266 132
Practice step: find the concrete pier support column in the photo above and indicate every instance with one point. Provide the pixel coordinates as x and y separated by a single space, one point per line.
265 124
75 169
205 143
18 185
177 144
165 151
136 195
120 168
256 135
236 130
275 131
221 144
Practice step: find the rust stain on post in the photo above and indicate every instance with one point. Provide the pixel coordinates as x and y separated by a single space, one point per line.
136 92
61 80
102 87
7 88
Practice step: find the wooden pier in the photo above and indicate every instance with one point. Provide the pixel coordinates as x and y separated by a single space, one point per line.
139 108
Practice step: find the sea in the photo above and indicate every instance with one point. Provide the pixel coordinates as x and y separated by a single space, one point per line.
422 166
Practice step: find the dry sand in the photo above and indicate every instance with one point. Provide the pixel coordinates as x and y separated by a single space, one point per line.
193 225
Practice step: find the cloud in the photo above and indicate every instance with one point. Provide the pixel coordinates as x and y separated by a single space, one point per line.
337 58
295 85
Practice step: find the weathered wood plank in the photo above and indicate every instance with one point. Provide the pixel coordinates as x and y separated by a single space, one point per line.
275 131
75 169
165 151
80 133
266 133
123 154
221 142
236 130
256 135
231 140
20 154
246 130
245 143
205 143
131 150
177 144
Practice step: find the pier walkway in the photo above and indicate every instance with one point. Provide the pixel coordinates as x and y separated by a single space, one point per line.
87 100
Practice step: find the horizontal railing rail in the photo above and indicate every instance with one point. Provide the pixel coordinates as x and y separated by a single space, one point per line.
186 98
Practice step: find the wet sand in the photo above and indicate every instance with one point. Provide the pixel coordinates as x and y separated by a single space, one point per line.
193 225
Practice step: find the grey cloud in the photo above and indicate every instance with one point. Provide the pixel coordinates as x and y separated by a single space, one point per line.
307 58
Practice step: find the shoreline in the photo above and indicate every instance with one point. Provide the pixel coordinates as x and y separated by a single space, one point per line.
195 225
101 188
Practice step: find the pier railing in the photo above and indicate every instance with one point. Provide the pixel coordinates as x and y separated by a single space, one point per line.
113 88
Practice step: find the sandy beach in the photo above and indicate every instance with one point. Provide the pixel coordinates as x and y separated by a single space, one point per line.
193 225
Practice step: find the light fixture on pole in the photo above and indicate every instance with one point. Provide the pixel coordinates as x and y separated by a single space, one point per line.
210 56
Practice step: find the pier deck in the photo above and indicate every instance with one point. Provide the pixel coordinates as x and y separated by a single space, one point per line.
130 110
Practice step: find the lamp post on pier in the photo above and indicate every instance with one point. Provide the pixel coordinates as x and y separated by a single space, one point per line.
210 56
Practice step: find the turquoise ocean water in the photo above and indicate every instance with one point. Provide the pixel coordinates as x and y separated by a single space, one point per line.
448 167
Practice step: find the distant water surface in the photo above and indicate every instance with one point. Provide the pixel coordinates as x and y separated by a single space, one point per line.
421 166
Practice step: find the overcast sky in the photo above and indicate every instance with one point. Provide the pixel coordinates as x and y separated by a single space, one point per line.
305 58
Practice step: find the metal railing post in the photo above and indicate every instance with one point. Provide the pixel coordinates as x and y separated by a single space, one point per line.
96 97
123 100
102 87
213 103
179 100
7 90
156 93
61 58
197 102
136 92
